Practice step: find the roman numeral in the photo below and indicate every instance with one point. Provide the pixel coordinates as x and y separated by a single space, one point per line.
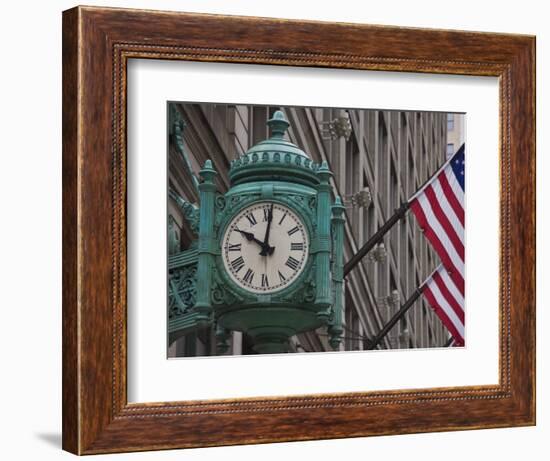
248 276
265 282
234 247
281 277
266 213
292 263
283 218
297 246
237 264
293 230
250 216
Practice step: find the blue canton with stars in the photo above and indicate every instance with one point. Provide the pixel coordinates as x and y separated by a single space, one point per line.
457 164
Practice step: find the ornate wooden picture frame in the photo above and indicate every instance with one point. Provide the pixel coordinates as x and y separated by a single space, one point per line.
97 44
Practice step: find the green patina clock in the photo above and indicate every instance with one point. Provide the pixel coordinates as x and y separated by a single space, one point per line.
265 247
268 258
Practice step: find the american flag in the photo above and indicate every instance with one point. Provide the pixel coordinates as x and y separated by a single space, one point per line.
447 302
439 209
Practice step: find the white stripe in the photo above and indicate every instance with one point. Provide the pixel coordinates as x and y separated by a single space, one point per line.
441 234
448 281
455 186
442 302
448 210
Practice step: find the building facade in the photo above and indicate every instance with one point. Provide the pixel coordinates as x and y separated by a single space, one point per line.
456 132
379 159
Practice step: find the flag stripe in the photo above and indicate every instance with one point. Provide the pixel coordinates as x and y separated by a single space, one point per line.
442 218
430 235
442 280
443 304
451 286
442 236
445 313
448 210
440 241
443 317
455 198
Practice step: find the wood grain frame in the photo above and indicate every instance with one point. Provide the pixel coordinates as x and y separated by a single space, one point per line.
97 44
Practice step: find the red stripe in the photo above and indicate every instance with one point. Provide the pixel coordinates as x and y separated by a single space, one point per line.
444 221
451 197
443 316
432 237
451 300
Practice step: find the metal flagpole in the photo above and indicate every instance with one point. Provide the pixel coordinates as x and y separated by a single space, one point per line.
400 313
376 238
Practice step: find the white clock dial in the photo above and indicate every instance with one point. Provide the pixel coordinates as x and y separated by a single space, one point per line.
264 254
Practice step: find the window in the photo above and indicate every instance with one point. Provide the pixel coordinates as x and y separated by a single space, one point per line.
450 122
450 150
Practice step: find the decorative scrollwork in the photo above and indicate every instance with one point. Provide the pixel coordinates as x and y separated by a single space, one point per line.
192 215
220 202
309 291
298 198
223 294
189 210
235 200
304 295
312 203
218 294
182 290
177 126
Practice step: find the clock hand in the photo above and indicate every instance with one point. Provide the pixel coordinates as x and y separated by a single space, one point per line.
250 237
266 249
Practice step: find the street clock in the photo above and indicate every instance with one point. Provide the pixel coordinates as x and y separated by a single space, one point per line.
265 247
268 260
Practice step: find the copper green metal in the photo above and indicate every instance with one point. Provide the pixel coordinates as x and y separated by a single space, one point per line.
335 328
207 248
189 210
279 171
322 246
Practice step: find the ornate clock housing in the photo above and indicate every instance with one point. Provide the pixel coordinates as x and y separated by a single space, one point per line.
269 250
265 247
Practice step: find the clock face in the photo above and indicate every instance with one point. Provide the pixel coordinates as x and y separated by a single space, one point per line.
265 247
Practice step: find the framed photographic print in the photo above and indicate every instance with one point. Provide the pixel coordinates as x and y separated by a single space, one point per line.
272 235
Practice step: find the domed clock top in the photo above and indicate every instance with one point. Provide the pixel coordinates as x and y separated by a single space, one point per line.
275 159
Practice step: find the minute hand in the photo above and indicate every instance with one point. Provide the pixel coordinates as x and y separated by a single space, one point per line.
267 250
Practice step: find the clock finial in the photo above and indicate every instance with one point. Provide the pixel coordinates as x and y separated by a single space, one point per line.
278 124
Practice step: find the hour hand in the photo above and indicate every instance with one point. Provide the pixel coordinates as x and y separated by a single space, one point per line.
250 237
